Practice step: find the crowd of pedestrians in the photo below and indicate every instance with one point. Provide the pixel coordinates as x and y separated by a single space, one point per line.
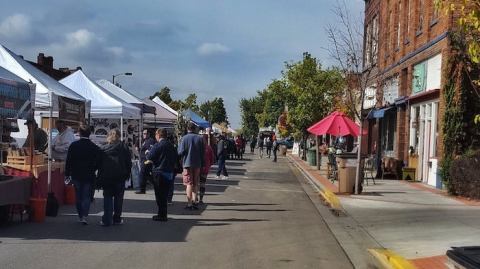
108 167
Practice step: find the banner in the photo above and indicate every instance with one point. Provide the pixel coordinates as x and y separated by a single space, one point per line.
15 99
71 110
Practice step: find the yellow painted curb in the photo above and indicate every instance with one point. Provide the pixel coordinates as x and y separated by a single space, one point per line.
389 259
332 200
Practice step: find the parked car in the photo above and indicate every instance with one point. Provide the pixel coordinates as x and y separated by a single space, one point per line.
287 142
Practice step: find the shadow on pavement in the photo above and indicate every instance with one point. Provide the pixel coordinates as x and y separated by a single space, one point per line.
138 226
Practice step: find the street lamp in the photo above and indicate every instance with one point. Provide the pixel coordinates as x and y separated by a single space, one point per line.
113 77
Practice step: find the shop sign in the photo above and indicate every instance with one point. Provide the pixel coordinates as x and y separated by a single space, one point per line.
370 97
15 99
390 90
71 110
419 77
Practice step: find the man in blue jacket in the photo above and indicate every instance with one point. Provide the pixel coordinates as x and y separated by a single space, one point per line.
83 159
163 155
191 149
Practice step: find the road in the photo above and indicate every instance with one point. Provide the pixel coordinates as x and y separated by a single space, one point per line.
259 218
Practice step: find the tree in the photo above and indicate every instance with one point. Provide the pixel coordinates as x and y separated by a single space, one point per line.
218 113
276 98
204 110
315 91
190 103
346 38
164 95
250 108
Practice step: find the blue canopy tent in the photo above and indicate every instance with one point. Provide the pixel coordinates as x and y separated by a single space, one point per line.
195 118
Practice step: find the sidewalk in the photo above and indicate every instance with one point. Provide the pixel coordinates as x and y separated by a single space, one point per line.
411 219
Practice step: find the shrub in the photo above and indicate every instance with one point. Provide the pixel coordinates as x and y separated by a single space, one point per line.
464 174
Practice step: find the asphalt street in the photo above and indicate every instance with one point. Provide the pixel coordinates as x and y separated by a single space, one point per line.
259 218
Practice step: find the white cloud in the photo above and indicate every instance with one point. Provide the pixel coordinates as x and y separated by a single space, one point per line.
207 49
16 26
81 38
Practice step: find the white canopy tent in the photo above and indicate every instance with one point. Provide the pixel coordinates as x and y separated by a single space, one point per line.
162 104
126 96
104 104
47 89
161 117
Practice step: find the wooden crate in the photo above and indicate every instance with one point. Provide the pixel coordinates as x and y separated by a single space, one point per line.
25 160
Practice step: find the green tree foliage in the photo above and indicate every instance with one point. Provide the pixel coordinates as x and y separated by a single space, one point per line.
305 88
164 95
276 97
249 108
315 91
214 111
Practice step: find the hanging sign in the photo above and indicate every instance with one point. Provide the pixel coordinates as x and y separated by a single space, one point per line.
15 99
71 110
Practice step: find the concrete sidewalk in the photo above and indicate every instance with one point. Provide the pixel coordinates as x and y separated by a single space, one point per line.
411 219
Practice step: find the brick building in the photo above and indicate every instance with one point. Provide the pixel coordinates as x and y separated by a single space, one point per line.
412 51
45 64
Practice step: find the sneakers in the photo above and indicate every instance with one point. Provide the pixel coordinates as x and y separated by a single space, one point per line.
225 177
217 177
118 222
101 223
140 192
83 221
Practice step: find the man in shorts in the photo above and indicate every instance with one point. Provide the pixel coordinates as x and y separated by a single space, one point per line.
191 149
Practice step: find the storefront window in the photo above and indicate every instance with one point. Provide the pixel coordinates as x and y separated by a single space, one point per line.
389 128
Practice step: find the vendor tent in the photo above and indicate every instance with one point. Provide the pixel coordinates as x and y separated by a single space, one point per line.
126 96
161 118
45 85
162 104
104 104
195 118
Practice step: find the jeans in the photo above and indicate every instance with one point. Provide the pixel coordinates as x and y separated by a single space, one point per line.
274 155
171 187
113 202
221 167
83 193
161 185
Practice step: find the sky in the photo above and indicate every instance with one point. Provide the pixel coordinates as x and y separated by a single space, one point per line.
214 48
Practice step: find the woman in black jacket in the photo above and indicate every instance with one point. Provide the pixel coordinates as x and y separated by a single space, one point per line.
114 171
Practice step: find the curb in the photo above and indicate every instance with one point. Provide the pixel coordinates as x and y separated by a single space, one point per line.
330 198
387 259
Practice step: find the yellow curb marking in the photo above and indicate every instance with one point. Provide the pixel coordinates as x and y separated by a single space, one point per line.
390 260
332 200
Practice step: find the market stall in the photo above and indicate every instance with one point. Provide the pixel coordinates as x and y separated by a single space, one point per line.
162 118
52 100
108 111
16 96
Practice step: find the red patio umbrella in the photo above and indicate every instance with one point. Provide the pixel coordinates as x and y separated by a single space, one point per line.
337 124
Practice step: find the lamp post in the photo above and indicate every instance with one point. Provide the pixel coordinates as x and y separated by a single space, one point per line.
126 74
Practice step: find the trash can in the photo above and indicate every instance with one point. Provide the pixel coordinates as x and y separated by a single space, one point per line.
312 156
347 171
283 150
464 257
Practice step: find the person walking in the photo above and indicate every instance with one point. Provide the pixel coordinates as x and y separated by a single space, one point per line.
268 144
163 155
82 162
145 170
207 163
191 150
253 143
221 157
115 169
275 147
260 146
239 148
